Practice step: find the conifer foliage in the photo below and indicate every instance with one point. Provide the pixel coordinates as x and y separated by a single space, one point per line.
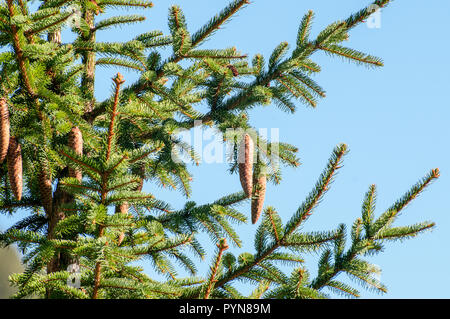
78 165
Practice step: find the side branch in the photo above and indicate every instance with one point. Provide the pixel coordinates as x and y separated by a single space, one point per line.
118 81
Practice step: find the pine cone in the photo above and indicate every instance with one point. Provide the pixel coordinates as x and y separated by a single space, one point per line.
14 159
245 163
233 69
121 238
76 143
45 186
258 197
123 209
4 129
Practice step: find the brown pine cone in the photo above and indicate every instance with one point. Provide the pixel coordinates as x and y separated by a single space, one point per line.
120 239
233 69
45 187
245 163
76 143
123 209
4 129
14 159
258 197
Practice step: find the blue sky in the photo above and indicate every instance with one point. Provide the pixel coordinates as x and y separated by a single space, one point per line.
394 120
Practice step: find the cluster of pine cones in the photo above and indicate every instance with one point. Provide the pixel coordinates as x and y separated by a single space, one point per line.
10 149
252 180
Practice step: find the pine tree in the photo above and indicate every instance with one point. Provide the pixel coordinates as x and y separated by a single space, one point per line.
78 165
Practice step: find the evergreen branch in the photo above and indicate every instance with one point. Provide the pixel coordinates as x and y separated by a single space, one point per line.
321 187
222 245
169 245
308 82
246 267
21 60
388 217
260 290
270 214
137 159
344 289
277 54
398 233
215 23
119 62
201 55
363 14
121 185
364 277
305 28
80 186
98 268
114 21
351 54
118 81
128 3
40 27
309 241
32 222
375 232
24 203
368 208
415 190
129 198
80 163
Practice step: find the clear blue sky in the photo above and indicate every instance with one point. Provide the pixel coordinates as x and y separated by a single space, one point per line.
394 120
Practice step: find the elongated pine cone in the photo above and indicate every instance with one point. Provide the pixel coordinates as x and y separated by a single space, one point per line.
4 129
45 187
76 143
245 163
123 209
14 159
121 238
258 197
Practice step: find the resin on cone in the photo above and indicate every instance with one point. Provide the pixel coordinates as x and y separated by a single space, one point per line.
76 143
14 159
245 163
45 187
4 129
258 197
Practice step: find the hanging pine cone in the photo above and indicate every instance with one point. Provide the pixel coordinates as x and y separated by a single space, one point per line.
123 209
245 163
258 197
14 159
76 143
120 239
45 187
4 129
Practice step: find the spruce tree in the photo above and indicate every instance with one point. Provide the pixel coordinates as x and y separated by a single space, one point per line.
78 165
